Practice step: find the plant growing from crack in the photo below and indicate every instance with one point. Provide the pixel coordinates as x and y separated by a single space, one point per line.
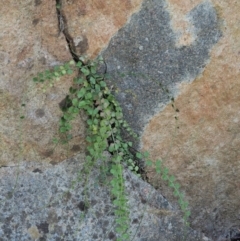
89 93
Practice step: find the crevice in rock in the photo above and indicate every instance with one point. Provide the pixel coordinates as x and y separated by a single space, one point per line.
7 166
63 28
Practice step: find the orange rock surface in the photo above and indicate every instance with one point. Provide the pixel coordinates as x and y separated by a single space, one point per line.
202 148
93 23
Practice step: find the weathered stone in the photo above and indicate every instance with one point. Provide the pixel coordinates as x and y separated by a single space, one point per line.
34 38
145 52
187 49
191 49
203 153
91 24
44 204
30 42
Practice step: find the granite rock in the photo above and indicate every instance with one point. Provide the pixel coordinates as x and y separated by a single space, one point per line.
91 24
35 36
145 62
40 201
202 148
174 67
180 60
30 43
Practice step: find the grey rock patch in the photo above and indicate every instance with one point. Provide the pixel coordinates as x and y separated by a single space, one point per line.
143 59
45 206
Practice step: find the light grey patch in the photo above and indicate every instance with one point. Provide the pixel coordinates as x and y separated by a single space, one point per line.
49 201
150 68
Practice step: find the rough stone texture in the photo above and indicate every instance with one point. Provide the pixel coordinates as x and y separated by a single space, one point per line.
192 49
29 43
40 202
204 152
145 52
92 23
189 47
32 40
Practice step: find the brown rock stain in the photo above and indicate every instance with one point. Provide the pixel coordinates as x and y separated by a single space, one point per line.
34 232
24 52
204 152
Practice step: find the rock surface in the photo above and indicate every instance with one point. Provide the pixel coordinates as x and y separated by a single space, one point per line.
203 153
30 42
33 39
91 24
40 202
147 53
188 50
